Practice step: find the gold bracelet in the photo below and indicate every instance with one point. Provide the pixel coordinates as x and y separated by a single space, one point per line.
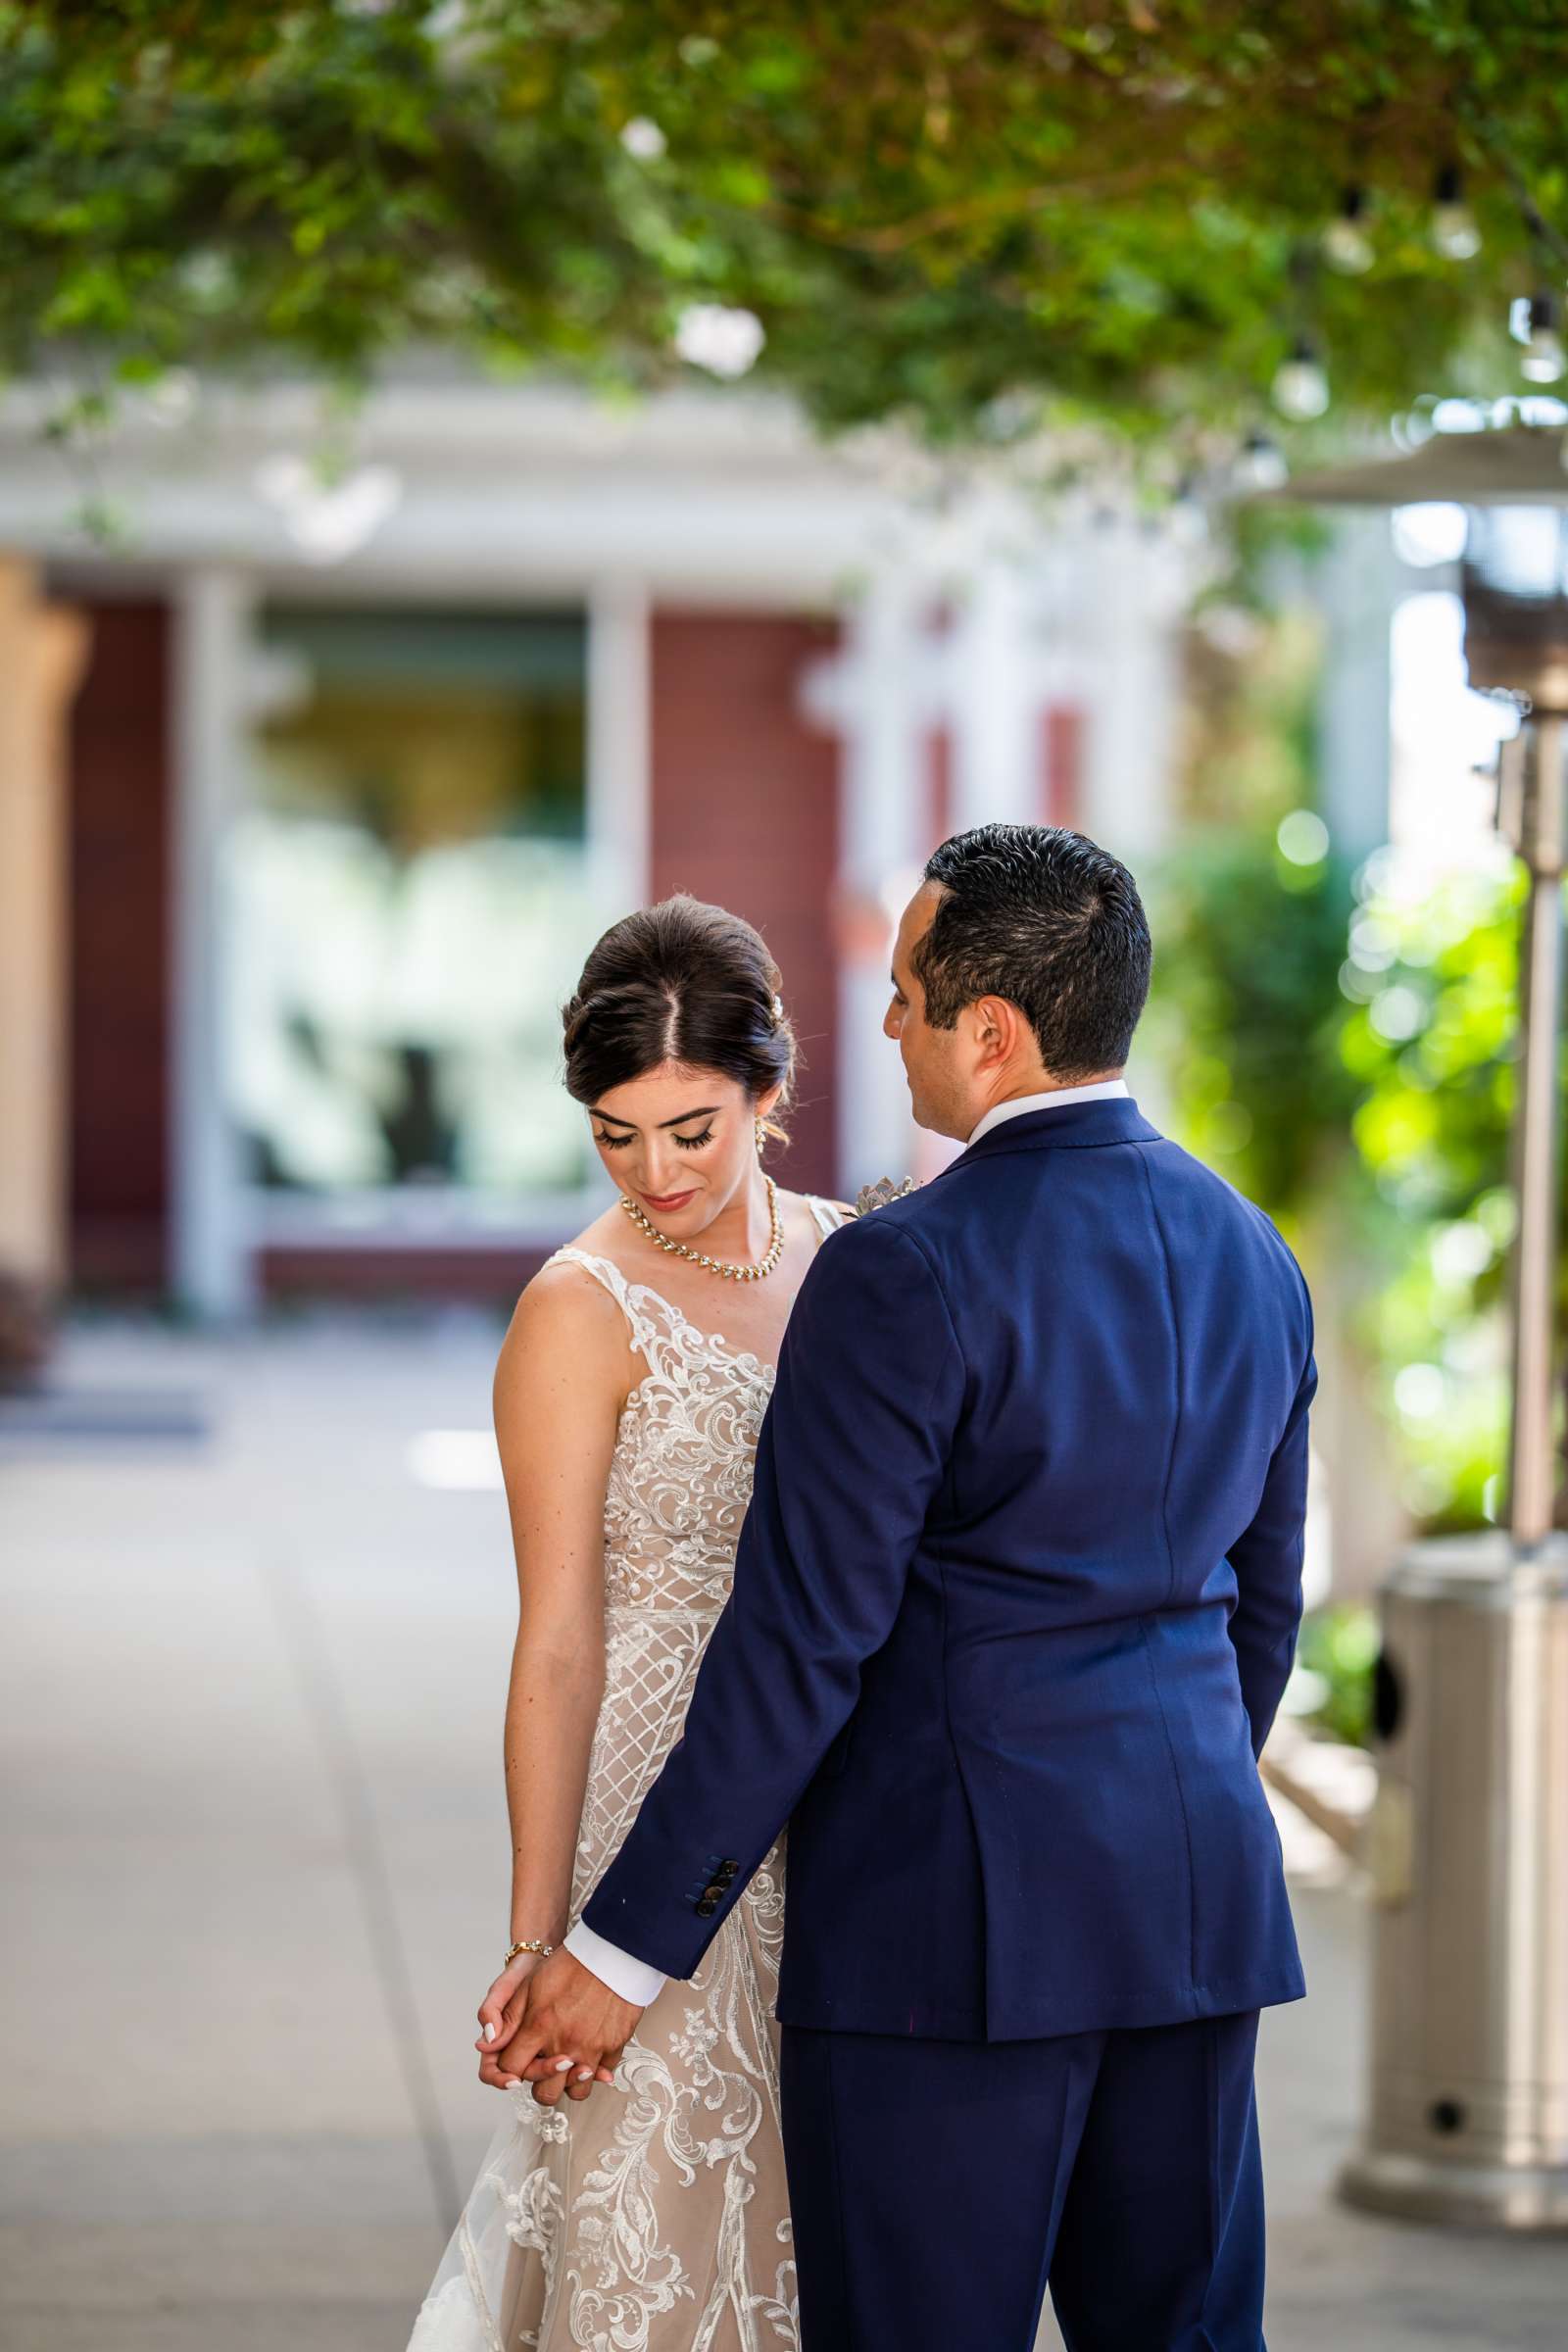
530 1943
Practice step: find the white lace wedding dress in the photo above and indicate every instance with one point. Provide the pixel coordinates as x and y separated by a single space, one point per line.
653 2216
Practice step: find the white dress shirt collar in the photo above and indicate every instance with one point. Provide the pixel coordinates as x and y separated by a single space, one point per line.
1058 1098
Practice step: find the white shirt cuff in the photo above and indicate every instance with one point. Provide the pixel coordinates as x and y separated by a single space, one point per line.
622 1972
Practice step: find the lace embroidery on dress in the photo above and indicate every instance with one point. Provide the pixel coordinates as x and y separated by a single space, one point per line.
652 2217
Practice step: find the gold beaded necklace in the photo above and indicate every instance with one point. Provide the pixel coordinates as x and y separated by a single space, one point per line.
765 1265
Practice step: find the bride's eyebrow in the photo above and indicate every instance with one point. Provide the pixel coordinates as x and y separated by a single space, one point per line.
706 1112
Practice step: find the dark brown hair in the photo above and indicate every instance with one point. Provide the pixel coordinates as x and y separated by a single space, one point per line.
677 982
1049 920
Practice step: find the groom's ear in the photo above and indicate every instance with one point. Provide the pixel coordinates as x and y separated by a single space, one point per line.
996 1029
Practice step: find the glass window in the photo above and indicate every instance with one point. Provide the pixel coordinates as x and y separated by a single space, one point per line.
410 891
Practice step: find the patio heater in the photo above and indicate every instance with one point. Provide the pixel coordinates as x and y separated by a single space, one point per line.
1468 1838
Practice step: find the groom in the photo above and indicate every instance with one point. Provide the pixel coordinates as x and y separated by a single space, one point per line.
1013 1608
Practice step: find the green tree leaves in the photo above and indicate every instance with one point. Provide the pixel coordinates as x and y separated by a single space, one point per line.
1108 210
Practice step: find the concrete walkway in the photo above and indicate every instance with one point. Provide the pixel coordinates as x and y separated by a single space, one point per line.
255 1853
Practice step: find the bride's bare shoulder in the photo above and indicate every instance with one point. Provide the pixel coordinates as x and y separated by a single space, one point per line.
567 1306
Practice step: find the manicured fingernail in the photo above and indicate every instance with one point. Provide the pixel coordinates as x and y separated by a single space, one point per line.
585 2074
489 2032
562 2065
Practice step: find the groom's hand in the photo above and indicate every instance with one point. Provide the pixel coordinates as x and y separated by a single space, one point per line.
562 2032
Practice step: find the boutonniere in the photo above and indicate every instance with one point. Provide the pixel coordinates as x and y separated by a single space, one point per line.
877 1195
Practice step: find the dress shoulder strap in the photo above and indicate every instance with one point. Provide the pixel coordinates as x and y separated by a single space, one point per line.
826 1215
630 1297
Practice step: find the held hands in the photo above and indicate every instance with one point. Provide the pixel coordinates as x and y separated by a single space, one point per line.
552 2024
494 2026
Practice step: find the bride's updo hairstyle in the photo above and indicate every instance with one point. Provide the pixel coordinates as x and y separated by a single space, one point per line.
678 982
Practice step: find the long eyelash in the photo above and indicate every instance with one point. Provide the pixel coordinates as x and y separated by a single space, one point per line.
687 1143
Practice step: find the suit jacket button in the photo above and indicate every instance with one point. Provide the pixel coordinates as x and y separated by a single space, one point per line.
707 1907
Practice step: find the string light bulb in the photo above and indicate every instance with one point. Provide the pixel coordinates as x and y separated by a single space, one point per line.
1454 232
1262 465
1300 386
1544 359
1346 247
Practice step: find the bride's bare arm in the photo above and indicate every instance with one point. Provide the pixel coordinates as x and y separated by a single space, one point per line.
563 1376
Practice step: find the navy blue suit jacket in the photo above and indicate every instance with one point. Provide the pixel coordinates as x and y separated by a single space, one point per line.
1014 1603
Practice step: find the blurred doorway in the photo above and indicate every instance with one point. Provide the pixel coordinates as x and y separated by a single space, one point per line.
408 894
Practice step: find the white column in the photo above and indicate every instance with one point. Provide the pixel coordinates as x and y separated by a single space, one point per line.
1135 593
993 700
875 694
619 764
213 1269
1355 588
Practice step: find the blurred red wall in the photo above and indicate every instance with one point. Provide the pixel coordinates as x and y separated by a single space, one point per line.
745 813
119 863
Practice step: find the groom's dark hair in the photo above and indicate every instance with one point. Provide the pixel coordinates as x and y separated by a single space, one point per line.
1052 923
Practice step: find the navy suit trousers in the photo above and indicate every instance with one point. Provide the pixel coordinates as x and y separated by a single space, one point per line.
938 2187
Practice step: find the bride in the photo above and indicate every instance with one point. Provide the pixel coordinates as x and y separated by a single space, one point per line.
628 1397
